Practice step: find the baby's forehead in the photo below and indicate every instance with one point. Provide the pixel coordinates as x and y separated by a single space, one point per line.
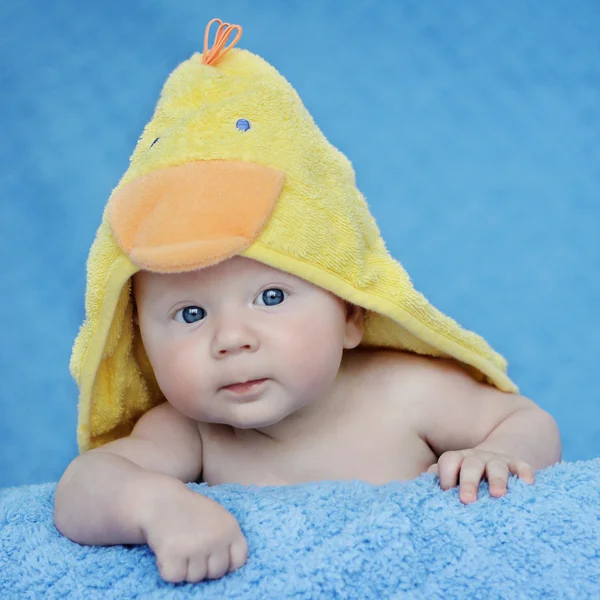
237 269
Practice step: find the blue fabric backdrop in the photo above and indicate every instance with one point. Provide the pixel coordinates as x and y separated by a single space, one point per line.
473 128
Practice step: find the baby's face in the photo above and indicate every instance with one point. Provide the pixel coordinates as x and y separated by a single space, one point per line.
237 322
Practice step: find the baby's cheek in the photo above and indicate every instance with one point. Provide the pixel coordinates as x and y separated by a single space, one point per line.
189 387
314 358
176 374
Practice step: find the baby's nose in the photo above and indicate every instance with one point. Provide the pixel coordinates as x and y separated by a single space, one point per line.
234 339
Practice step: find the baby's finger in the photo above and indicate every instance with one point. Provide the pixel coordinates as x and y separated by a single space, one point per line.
172 569
433 469
218 564
471 472
449 465
197 568
523 470
497 476
238 554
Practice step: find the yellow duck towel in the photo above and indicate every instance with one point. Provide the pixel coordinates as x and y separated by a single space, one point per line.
232 163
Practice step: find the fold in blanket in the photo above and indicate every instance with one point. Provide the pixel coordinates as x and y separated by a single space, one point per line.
341 540
232 163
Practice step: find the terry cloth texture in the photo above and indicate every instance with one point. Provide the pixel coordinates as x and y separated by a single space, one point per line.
340 540
231 163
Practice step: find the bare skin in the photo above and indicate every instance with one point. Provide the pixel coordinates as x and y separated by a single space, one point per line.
325 410
365 402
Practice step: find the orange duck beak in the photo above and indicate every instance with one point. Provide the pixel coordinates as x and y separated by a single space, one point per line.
190 216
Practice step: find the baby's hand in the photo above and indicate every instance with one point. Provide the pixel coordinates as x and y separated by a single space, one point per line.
193 537
472 464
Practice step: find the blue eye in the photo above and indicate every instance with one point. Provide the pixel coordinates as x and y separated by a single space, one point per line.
273 296
243 124
154 142
190 314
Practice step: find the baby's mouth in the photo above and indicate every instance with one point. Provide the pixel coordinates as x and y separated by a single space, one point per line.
242 388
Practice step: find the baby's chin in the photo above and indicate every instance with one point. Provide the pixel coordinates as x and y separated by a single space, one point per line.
255 415
272 410
256 422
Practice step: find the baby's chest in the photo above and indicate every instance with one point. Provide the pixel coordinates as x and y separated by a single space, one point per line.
373 457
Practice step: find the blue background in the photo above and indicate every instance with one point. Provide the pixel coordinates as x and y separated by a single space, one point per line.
473 126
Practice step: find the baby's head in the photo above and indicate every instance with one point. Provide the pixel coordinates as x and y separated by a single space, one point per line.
242 321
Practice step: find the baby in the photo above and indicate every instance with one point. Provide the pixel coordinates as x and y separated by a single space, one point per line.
239 330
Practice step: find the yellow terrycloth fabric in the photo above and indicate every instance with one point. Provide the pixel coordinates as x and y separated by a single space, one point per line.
319 228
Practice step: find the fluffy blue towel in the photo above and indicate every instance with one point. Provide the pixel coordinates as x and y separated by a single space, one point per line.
341 540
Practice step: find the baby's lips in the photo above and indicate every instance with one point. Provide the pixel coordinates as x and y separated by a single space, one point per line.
193 215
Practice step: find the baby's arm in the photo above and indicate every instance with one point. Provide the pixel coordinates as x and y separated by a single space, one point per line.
477 430
132 491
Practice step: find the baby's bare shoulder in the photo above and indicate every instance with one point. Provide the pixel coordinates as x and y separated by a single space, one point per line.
396 382
402 370
447 406
406 368
421 384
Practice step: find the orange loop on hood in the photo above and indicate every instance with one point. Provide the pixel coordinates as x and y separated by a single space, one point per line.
219 50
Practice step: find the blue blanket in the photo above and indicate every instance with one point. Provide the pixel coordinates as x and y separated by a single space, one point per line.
341 540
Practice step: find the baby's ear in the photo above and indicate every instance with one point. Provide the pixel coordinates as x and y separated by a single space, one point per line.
355 325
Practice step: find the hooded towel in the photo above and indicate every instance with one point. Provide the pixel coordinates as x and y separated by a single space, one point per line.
232 163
